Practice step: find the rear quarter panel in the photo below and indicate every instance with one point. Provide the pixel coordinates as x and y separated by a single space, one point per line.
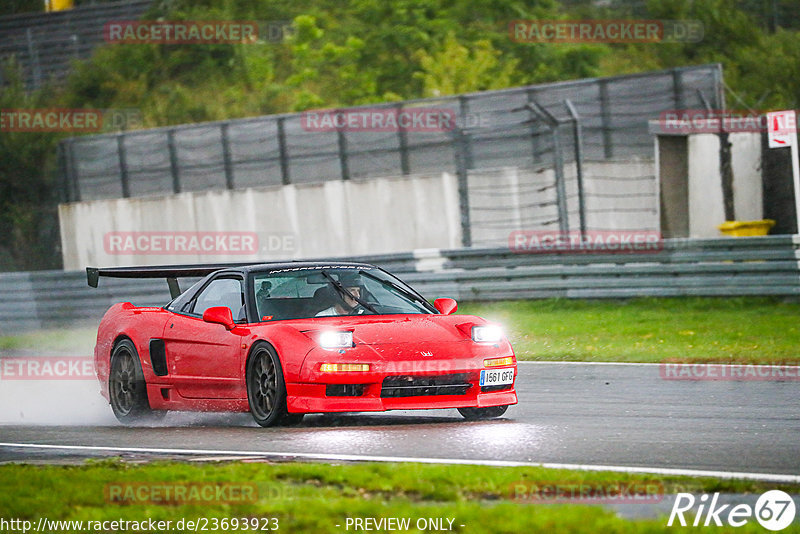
125 320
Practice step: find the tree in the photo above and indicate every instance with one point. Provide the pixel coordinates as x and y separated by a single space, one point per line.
28 193
454 68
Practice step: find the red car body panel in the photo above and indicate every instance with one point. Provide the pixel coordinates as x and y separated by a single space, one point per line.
206 363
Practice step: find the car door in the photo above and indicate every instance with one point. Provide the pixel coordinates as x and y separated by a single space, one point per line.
205 359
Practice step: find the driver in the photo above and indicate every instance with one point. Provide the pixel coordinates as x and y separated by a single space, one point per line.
344 304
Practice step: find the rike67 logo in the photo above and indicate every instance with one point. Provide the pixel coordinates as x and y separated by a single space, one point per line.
774 510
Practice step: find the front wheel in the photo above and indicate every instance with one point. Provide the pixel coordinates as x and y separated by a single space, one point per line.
491 412
266 388
126 386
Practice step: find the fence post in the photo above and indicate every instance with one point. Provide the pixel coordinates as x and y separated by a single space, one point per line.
558 163
577 135
719 87
463 186
72 172
76 54
123 166
561 189
226 156
402 136
608 149
534 135
61 165
342 148
173 161
677 89
283 153
33 58
463 107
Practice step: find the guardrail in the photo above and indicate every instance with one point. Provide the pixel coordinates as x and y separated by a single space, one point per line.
683 267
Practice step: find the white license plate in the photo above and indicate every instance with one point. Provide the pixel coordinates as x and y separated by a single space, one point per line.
497 377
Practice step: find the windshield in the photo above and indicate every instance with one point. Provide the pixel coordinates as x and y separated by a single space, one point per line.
305 292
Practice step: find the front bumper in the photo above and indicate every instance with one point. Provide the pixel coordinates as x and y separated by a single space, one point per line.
377 395
402 376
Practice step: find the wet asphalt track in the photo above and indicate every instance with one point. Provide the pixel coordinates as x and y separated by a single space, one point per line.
597 415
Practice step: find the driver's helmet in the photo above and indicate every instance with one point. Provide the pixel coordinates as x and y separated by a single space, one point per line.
351 282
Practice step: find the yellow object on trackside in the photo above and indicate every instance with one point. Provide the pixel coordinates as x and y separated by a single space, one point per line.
58 5
746 228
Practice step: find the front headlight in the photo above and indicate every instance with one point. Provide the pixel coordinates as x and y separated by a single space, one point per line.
336 340
487 334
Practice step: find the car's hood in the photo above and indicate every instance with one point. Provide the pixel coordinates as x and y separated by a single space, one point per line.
396 329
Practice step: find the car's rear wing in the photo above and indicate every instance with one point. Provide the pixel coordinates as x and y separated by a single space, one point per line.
170 272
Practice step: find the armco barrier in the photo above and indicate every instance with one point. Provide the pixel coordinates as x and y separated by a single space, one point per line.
684 267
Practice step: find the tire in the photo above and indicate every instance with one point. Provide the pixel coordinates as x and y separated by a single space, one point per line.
474 414
266 388
127 390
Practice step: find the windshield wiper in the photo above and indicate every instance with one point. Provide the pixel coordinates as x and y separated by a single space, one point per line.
398 288
343 291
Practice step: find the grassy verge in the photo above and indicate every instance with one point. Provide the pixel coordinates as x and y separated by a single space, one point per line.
741 330
317 497
71 341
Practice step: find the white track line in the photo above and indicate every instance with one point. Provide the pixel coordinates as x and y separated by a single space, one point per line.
766 477
544 362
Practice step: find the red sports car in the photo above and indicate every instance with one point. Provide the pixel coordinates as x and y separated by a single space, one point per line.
285 339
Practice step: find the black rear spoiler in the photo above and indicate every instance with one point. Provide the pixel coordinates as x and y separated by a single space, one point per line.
170 272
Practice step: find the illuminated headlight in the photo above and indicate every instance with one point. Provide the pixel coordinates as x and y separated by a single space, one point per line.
497 362
336 340
487 334
344 367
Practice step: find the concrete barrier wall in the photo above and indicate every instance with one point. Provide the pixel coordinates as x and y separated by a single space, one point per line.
621 194
353 217
336 218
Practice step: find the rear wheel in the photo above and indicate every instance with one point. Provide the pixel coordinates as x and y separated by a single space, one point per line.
491 412
266 388
127 388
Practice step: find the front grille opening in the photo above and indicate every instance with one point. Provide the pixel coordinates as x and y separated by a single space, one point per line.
422 386
344 390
